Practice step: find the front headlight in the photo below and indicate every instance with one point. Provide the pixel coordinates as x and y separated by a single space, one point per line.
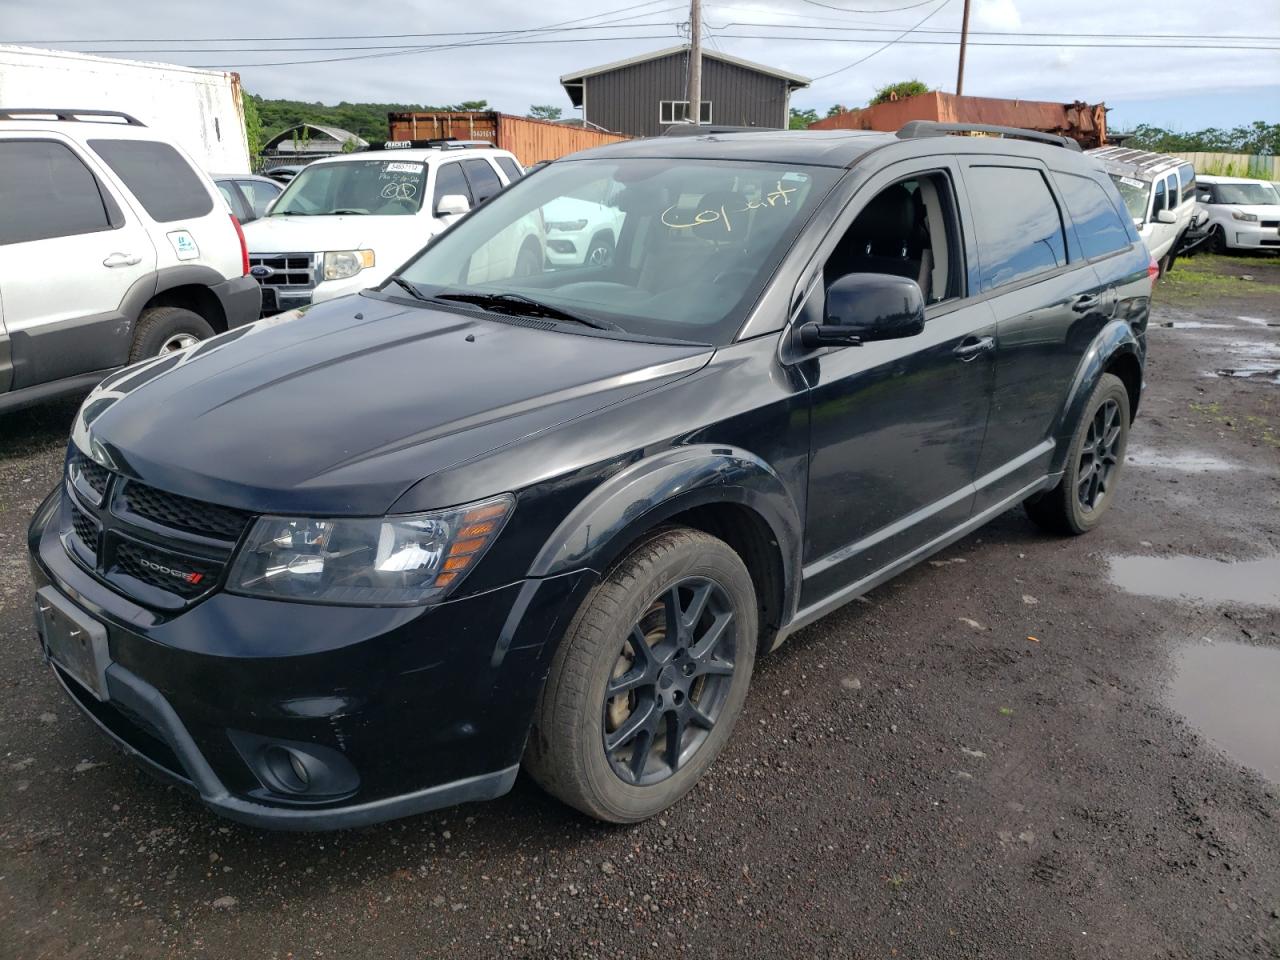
566 225
375 561
340 264
1246 217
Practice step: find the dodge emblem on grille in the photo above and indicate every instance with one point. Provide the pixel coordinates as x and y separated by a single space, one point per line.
190 577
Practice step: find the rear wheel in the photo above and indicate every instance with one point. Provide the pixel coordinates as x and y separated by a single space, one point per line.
164 330
600 250
649 679
529 260
1094 461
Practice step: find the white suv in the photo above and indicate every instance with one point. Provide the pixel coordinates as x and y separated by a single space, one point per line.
347 222
1159 192
114 247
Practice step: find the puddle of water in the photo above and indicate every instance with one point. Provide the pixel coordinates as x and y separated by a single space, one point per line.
1258 372
1198 325
1228 692
1187 461
1251 583
1259 321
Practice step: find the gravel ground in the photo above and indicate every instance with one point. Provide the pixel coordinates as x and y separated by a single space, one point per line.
979 760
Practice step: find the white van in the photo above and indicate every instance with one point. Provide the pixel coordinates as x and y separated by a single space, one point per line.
346 223
1160 193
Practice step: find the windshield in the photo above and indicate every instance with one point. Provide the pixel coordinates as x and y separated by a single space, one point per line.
1261 194
378 187
1135 193
667 248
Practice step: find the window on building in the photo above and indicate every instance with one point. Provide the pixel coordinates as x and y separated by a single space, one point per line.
677 111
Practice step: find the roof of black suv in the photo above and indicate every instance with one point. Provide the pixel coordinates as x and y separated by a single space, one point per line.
831 148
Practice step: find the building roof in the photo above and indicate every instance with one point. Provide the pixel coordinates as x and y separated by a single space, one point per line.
794 81
337 134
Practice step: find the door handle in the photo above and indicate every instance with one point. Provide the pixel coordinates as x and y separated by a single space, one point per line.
121 260
1089 301
970 347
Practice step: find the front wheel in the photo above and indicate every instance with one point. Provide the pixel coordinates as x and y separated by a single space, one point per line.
1094 461
649 679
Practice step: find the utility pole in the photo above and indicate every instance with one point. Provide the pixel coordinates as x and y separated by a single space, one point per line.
695 61
964 41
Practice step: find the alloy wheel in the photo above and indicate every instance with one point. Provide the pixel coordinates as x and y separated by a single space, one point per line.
179 341
670 683
1099 455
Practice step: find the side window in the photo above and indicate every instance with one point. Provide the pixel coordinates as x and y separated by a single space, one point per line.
510 168
229 194
1171 187
907 229
1017 222
1160 203
1187 180
483 179
156 174
45 192
258 194
449 180
1098 225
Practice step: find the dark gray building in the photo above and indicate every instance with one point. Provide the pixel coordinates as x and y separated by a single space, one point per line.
644 95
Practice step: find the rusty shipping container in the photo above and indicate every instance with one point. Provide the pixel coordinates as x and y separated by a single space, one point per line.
1083 122
530 140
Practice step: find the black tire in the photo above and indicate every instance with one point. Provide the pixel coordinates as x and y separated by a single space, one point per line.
1217 240
1094 464
161 329
529 259
599 250
568 753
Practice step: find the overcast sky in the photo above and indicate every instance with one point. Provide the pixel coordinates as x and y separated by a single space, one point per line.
1161 83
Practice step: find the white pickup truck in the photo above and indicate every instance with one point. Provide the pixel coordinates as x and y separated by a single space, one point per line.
346 223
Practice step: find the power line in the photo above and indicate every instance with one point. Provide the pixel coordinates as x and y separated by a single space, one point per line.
1011 45
832 6
1003 33
861 60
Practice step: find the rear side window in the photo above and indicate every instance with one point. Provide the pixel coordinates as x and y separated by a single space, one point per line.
510 168
1100 228
1017 222
45 192
259 193
449 180
484 180
156 174
1187 178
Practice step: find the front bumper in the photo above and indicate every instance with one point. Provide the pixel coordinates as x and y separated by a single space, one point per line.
1245 236
428 706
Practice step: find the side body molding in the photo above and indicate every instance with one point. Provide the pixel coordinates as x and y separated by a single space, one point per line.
651 490
1113 340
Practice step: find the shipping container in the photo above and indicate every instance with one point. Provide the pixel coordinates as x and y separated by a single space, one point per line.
1083 122
530 140
200 110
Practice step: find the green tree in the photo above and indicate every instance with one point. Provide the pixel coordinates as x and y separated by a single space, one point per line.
252 125
800 119
899 91
836 109
544 111
1254 138
471 105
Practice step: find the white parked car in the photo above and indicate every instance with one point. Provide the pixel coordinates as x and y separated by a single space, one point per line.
581 232
346 223
1160 193
114 247
1240 214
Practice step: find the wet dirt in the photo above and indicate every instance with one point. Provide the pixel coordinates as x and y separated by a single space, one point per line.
1231 693
1186 461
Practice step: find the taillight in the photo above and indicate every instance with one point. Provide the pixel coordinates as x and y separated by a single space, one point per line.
244 247
1153 272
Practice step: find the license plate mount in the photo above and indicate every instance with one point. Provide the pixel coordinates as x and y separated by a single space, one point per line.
73 640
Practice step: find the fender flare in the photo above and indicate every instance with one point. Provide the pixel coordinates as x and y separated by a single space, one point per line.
166 278
1113 340
649 491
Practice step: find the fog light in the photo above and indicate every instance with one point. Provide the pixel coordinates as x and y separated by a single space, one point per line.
294 769
286 769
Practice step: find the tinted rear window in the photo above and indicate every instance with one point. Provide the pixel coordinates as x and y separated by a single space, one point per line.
45 192
1099 226
484 180
156 174
510 168
1018 224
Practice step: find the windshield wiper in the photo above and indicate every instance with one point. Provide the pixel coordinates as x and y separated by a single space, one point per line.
406 285
521 306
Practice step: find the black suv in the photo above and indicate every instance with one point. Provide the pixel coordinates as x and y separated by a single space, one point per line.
366 560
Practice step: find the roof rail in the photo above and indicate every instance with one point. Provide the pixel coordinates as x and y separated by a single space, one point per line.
436 143
932 128
702 129
62 113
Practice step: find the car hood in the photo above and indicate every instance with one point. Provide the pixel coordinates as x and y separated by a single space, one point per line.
290 234
340 409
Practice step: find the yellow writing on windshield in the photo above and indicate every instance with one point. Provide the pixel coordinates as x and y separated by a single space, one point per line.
779 196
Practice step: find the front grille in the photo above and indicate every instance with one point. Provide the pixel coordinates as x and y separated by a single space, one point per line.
288 269
93 475
166 571
182 513
86 530
1271 223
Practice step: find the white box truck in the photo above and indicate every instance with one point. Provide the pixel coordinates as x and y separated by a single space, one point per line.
199 109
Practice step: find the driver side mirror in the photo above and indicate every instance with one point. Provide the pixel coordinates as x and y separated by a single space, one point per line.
865 307
452 204
1166 216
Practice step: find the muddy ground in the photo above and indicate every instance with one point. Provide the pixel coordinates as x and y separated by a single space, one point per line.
915 776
